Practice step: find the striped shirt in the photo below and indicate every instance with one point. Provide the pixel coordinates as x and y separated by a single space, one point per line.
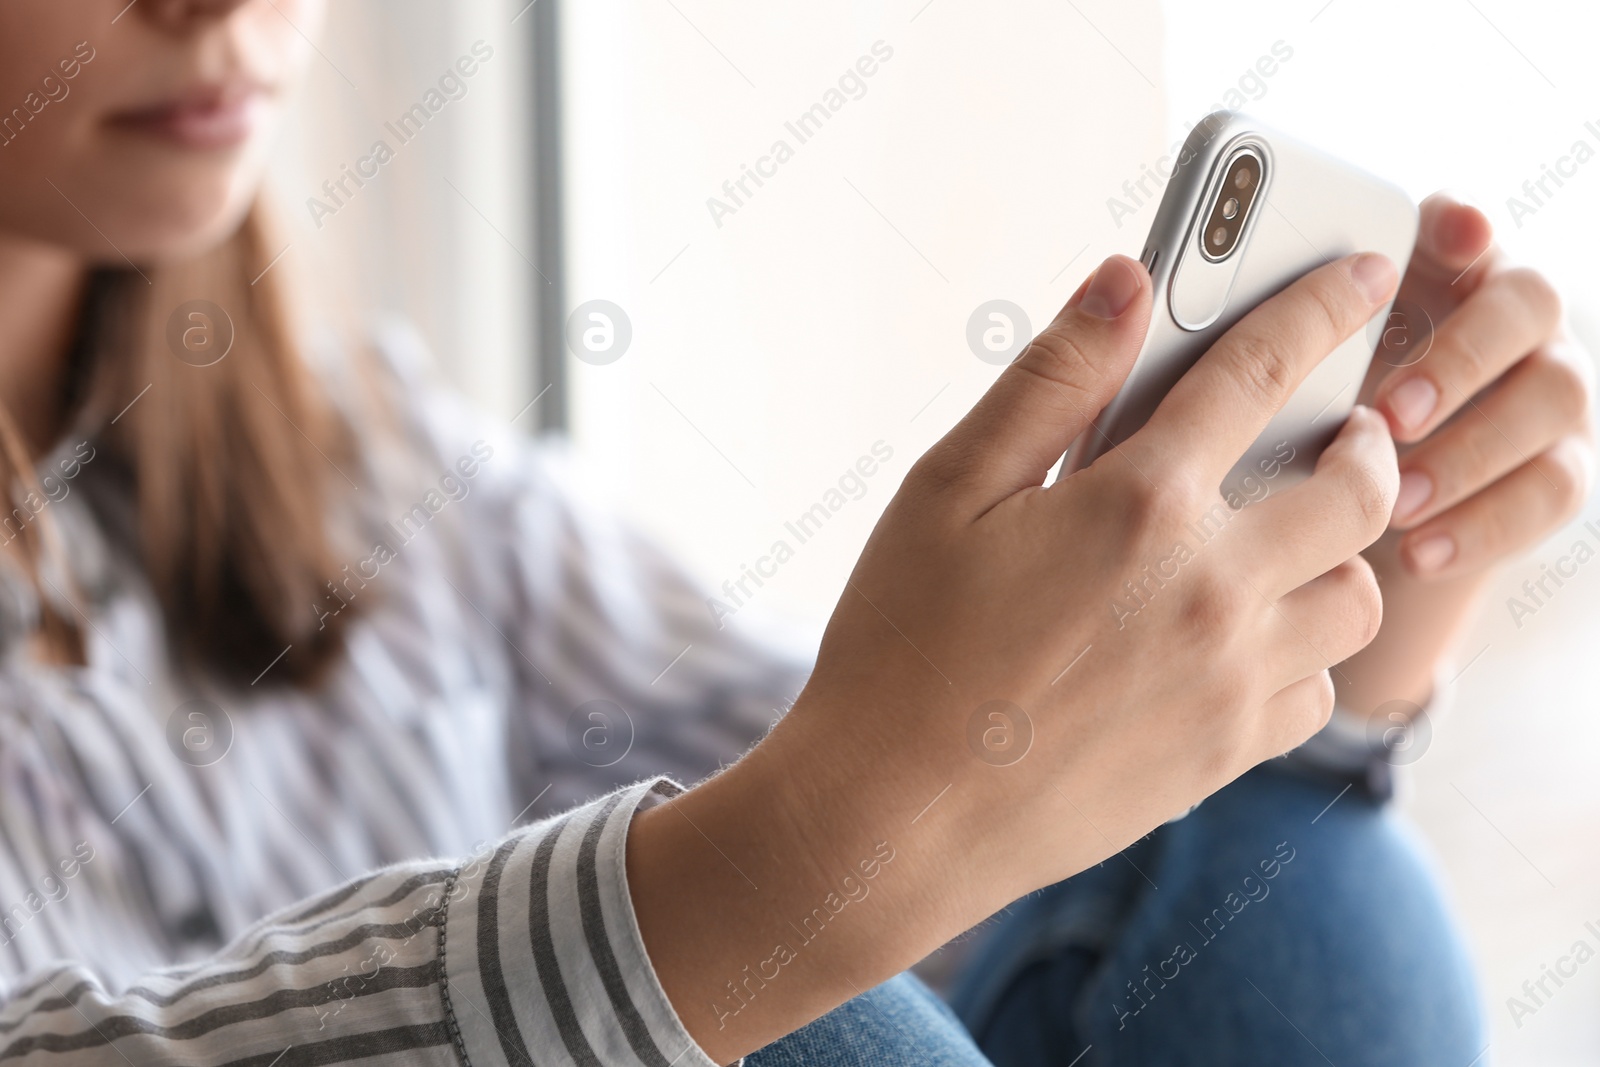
423 860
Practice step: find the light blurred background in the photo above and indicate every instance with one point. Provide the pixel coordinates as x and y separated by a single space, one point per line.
774 345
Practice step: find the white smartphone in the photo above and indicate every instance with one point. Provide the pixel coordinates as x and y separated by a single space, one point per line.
1247 211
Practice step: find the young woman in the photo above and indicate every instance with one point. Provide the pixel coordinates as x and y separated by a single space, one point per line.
282 624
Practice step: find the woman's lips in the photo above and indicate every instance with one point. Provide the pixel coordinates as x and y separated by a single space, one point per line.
212 118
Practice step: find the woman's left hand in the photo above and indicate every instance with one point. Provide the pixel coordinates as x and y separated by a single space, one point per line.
1492 397
1489 402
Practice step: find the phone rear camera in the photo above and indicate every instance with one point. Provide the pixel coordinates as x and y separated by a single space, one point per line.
1236 194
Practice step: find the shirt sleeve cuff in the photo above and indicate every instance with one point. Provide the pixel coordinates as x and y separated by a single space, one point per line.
541 951
1355 745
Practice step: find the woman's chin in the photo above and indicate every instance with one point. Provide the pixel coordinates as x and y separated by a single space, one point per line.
166 228
176 246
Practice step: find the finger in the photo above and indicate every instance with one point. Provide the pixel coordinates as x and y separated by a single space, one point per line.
1327 620
1294 713
1453 243
1512 313
1512 514
1454 252
1538 402
1225 400
1054 389
1293 536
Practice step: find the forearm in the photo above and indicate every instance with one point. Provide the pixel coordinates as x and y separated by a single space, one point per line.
804 875
1423 621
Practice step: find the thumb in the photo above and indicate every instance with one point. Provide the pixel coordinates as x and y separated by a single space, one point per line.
1055 388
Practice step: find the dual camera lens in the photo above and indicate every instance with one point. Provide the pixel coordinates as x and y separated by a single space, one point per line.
1234 198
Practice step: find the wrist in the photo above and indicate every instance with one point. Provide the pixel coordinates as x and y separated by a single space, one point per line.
974 830
1424 620
796 879
843 785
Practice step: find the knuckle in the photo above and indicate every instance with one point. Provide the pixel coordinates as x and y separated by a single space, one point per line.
1366 603
1496 530
1481 451
1317 705
1157 507
1213 607
1567 467
1369 490
1474 361
1303 709
942 468
1336 307
929 471
1264 369
1568 388
1461 462
1535 290
1309 711
1059 357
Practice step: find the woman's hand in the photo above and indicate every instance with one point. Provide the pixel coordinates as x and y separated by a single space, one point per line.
1497 410
1019 681
1491 402
1156 641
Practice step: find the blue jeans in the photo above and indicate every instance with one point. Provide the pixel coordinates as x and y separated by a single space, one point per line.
1265 927
899 1024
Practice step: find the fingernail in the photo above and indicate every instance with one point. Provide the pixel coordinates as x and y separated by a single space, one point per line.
1365 414
1415 489
1111 291
1412 402
1374 275
1432 554
1463 197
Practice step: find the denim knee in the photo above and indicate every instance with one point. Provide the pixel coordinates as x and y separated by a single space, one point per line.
898 1024
1278 922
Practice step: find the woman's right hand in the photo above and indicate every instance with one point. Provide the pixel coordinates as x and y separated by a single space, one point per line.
985 602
